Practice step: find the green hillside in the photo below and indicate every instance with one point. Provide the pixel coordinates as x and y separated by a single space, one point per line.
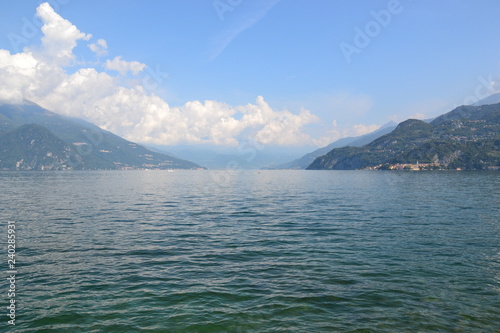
91 147
465 138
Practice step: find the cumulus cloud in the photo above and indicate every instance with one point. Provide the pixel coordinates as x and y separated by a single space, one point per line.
148 118
122 66
285 128
100 48
60 36
15 71
24 75
40 75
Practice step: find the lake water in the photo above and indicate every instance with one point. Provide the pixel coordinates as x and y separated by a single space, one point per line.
253 251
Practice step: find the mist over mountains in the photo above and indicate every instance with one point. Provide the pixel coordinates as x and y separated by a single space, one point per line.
33 138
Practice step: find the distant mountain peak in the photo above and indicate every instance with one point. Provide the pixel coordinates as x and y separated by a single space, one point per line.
492 99
359 141
389 124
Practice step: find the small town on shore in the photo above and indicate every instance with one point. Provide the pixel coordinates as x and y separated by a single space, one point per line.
418 167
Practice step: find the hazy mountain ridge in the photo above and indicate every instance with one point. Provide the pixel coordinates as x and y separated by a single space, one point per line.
358 141
467 137
247 155
74 143
492 99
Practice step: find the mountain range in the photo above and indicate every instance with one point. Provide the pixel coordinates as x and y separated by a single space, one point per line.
33 138
467 137
358 141
247 155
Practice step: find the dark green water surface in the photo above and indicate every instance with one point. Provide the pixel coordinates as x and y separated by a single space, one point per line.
253 251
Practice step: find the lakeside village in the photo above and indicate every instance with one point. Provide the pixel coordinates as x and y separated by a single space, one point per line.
418 167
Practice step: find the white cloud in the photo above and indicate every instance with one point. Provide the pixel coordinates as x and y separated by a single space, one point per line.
15 71
197 122
77 94
100 48
60 36
122 66
285 129
39 74
25 76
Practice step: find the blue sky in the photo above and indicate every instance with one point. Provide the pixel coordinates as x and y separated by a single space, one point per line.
271 69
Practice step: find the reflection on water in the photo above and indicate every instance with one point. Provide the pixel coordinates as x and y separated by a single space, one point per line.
248 251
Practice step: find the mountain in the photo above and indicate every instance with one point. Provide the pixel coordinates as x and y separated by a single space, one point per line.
33 147
492 99
467 137
358 141
33 138
247 155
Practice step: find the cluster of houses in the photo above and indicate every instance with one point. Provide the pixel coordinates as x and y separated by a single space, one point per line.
409 166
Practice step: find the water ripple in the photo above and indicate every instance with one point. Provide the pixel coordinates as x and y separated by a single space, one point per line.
290 251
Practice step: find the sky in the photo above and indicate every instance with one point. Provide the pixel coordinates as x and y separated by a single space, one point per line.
290 73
